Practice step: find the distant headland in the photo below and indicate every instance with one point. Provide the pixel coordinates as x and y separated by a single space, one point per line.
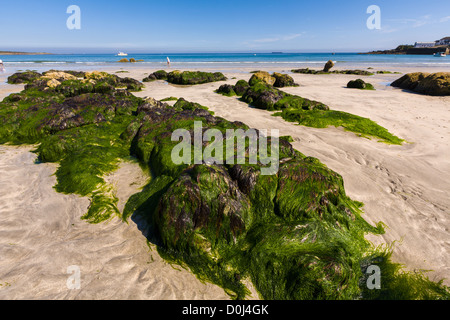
425 48
18 53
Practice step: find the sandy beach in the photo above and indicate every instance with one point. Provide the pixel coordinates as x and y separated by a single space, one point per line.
405 187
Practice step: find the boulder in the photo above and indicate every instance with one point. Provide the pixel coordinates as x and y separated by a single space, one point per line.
23 77
436 84
241 87
262 95
283 80
77 74
149 104
59 75
160 75
194 77
328 66
359 84
261 76
53 83
149 78
227 90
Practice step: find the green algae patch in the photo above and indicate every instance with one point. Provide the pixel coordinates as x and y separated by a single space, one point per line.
169 99
323 119
294 234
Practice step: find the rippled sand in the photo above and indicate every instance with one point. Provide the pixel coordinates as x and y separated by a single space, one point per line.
41 235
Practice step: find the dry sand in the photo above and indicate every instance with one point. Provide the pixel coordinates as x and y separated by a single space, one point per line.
405 187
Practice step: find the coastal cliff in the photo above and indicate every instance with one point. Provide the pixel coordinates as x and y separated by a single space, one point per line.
408 49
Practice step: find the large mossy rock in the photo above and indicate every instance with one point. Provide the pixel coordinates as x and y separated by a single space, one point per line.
157 75
226 90
261 76
410 81
283 80
23 77
353 72
360 84
265 96
194 77
436 84
328 66
77 74
241 87
73 82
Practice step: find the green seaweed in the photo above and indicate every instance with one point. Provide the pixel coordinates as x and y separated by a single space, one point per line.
322 119
169 99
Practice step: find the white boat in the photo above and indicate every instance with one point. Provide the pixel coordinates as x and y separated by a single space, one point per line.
440 54
122 54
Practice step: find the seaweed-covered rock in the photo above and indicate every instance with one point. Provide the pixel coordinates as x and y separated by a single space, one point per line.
149 104
436 84
53 83
77 74
71 88
183 104
157 75
267 97
261 76
114 80
241 87
328 66
354 72
360 84
151 77
209 209
409 81
283 80
160 75
306 71
59 75
129 83
262 95
194 77
24 77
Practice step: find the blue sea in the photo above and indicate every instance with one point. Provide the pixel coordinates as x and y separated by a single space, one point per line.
223 61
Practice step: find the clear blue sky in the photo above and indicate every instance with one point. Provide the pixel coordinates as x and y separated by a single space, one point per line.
219 26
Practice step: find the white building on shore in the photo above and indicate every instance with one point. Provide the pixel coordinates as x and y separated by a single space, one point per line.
424 44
